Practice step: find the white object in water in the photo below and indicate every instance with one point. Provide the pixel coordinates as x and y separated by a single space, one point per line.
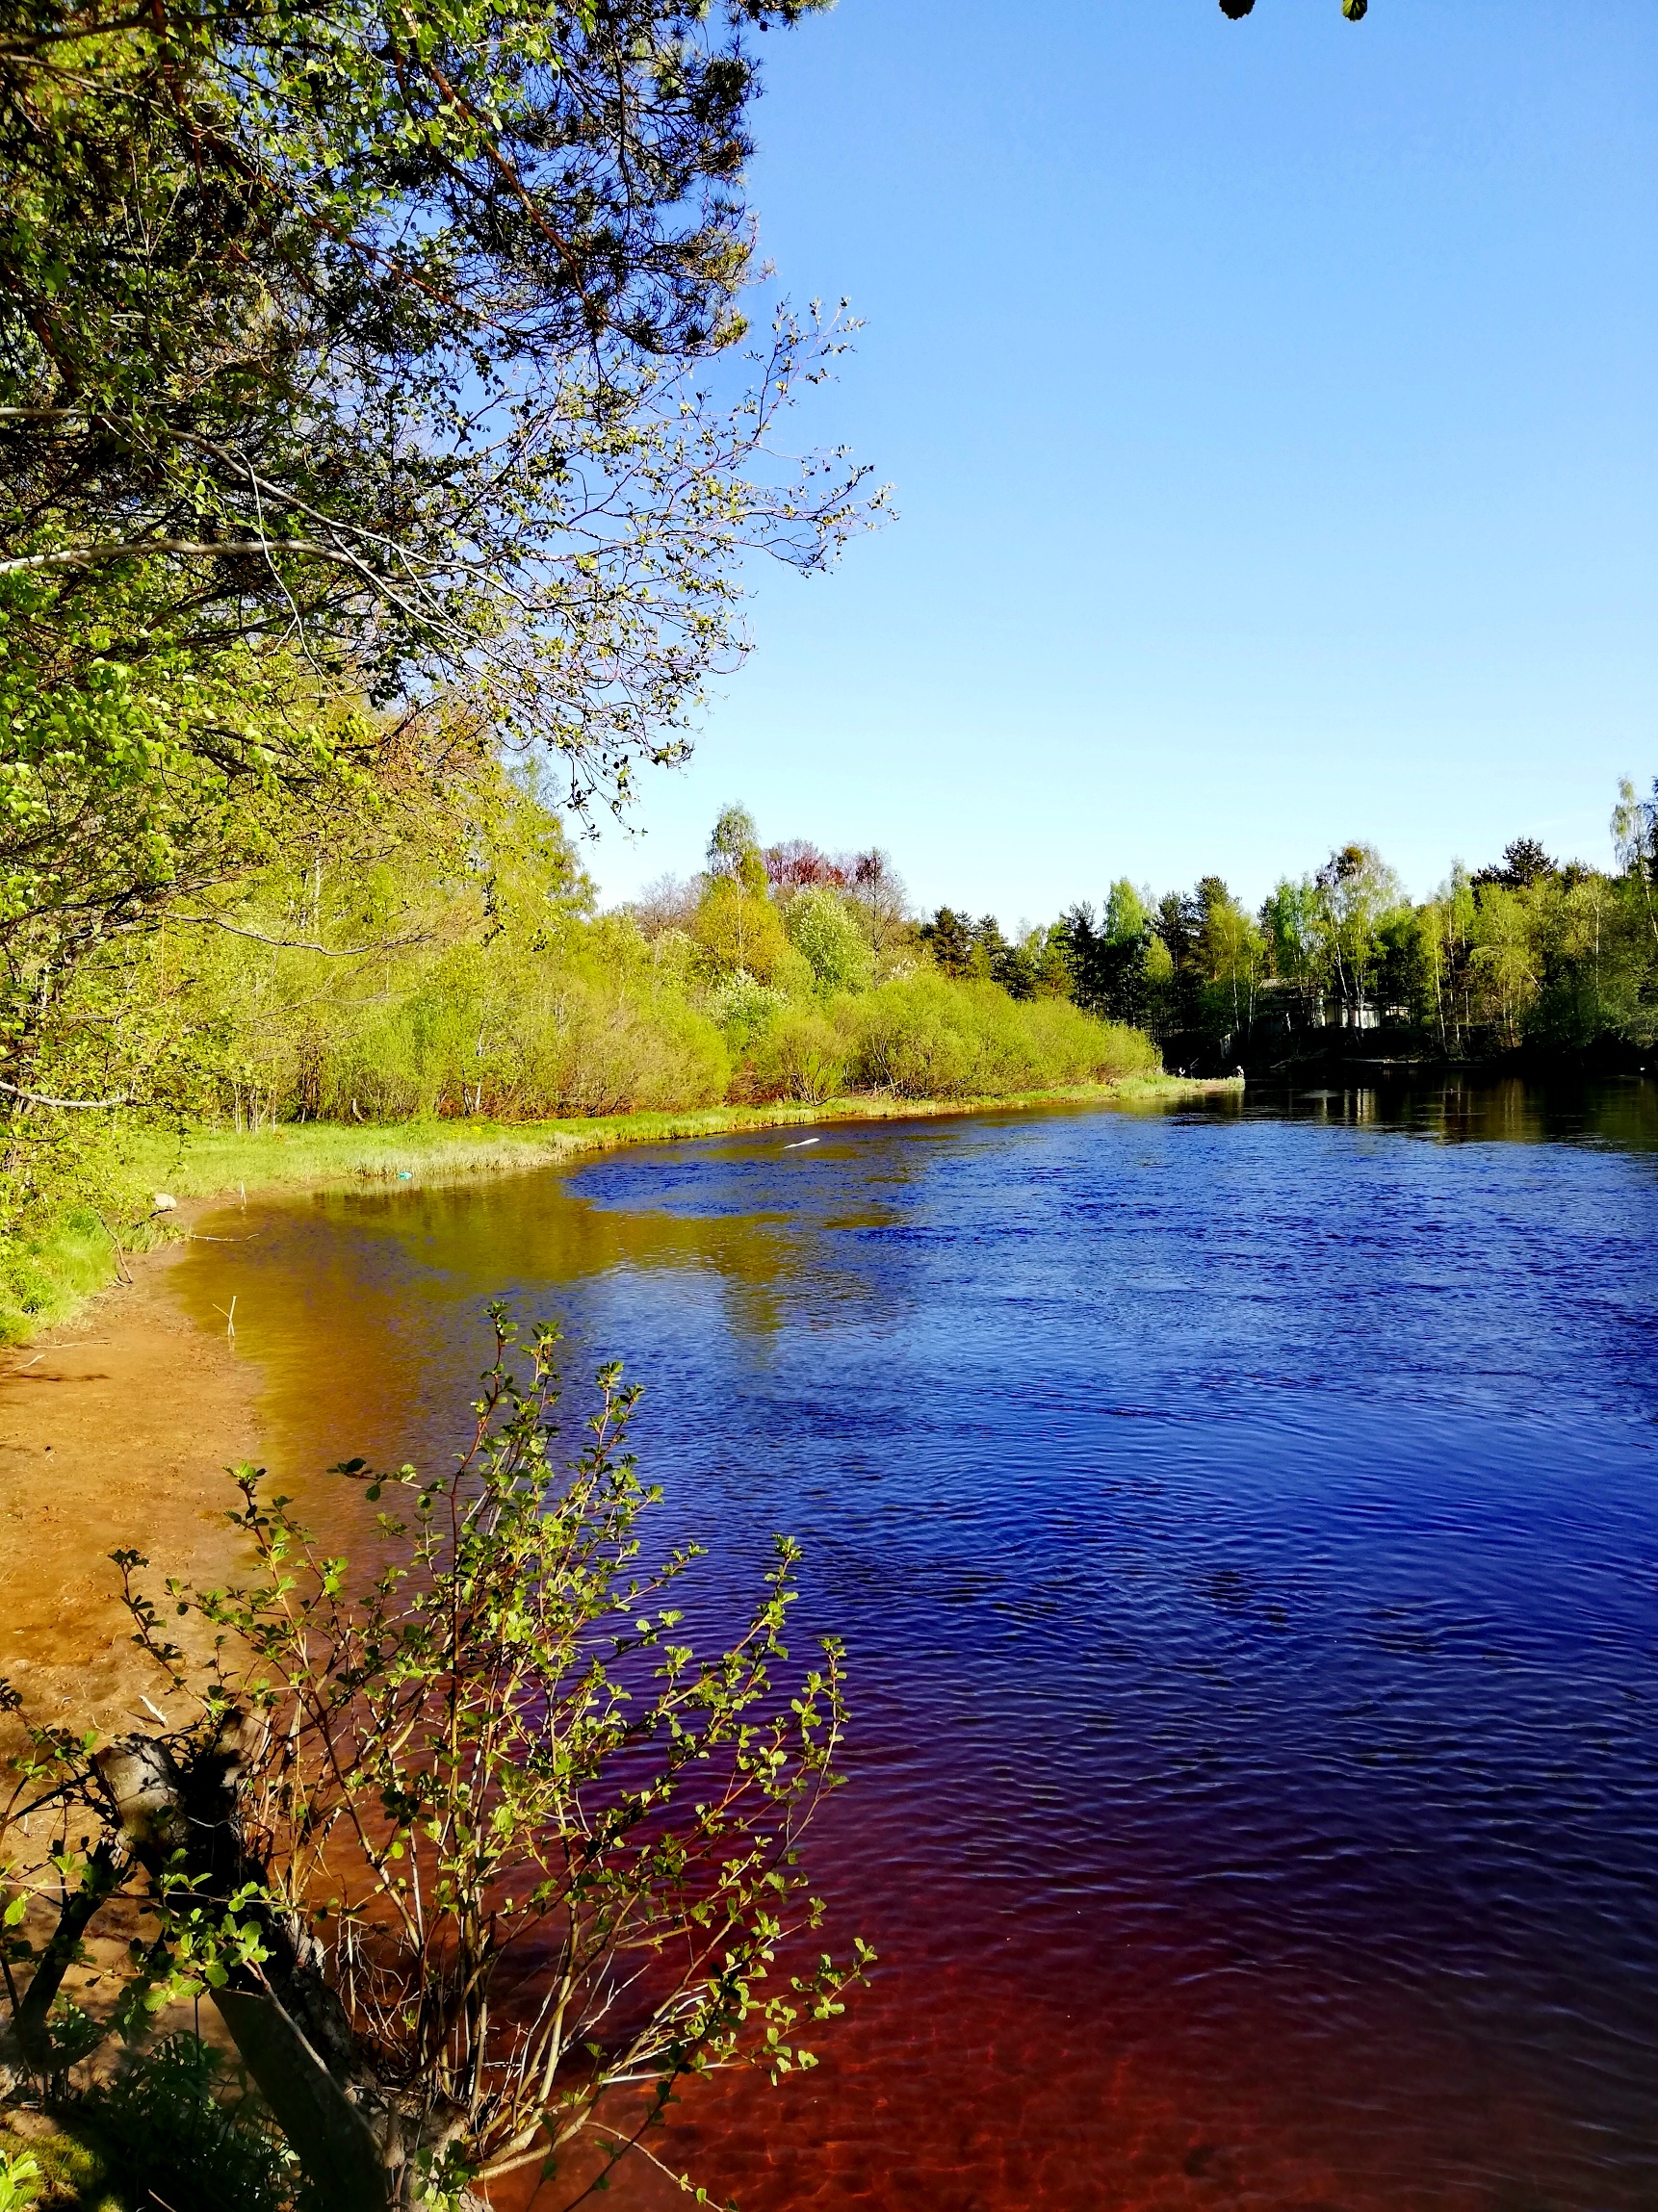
800 1141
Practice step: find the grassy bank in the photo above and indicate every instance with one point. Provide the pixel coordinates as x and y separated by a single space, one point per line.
51 1272
217 1163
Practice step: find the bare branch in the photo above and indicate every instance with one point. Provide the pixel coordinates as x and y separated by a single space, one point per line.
37 1098
305 944
140 549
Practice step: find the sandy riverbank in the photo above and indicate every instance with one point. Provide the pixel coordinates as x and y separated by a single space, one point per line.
114 1430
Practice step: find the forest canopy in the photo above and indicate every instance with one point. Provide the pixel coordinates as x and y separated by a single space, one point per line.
388 338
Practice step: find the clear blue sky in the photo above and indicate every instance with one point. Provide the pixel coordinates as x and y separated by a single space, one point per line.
1270 407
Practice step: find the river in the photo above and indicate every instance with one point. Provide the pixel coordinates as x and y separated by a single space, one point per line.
1243 1520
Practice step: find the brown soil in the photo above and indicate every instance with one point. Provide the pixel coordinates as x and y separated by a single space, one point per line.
114 1430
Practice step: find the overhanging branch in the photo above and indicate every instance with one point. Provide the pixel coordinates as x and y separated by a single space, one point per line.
37 1098
138 549
304 945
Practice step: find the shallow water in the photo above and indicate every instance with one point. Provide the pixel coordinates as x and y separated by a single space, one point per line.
1244 1525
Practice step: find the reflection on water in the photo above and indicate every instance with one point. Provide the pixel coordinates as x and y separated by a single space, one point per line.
1243 1524
1460 1109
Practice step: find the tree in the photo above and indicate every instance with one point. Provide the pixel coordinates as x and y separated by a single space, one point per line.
1635 841
465 1845
1127 912
739 931
1178 922
1353 891
1107 965
1231 953
734 851
1037 966
1503 956
1354 11
820 927
877 890
949 937
993 957
376 333
797 866
1177 925
735 923
1524 862
1289 922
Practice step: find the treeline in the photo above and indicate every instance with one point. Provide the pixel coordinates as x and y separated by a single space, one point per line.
1530 953
479 978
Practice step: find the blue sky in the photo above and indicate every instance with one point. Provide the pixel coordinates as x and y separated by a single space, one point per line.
1269 408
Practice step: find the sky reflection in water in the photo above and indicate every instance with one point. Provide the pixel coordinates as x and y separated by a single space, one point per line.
1244 1527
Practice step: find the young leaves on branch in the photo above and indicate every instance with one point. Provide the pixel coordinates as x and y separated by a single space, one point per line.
516 1858
386 332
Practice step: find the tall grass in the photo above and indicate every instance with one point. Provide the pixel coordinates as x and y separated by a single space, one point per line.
57 1261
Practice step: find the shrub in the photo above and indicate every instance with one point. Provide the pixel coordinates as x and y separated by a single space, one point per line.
419 1799
744 1008
822 929
929 1037
801 1055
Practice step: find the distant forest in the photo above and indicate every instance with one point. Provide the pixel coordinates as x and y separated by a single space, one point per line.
456 963
1530 954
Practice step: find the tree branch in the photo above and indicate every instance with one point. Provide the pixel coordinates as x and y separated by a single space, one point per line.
136 548
36 1098
304 945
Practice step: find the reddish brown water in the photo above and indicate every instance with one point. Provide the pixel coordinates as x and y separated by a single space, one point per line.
1245 1528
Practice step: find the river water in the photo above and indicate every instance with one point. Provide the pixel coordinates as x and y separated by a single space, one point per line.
1243 1521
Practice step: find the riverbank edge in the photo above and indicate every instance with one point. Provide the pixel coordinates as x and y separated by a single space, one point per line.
317 1155
195 1168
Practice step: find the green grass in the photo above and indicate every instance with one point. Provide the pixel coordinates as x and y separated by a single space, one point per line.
54 1267
75 2166
216 1163
46 1274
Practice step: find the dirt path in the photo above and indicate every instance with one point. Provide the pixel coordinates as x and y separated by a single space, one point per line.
113 1431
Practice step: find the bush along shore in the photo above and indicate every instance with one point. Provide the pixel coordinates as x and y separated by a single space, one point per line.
439 993
438 956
